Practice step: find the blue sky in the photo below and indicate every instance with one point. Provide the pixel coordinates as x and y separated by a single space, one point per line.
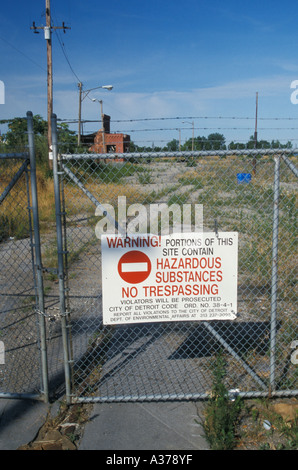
194 59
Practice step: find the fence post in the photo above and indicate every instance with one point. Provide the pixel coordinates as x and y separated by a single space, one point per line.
274 273
60 253
37 251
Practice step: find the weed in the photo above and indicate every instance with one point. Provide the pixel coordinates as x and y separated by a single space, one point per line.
221 412
11 226
191 178
145 177
178 199
191 162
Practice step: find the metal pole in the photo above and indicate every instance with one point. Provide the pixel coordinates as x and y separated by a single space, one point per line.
93 199
290 165
13 181
6 156
274 273
37 249
196 153
103 128
80 112
60 251
177 397
256 122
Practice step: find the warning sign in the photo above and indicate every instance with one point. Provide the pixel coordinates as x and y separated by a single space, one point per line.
134 267
178 277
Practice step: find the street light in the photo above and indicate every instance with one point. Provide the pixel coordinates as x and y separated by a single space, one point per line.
102 123
193 129
82 96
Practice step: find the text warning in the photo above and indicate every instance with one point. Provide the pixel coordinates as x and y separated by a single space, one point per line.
179 277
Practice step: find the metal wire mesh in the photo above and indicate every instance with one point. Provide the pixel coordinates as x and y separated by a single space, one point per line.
173 360
19 335
52 310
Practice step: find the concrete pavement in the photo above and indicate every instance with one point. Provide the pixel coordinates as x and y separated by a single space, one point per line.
111 426
144 426
20 421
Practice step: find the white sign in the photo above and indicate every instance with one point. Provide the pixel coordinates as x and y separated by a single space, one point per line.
177 277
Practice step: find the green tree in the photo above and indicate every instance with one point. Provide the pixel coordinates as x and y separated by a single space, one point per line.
216 141
199 144
275 144
237 146
261 144
16 136
67 139
172 146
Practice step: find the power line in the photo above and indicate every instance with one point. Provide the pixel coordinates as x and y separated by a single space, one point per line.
23 54
62 45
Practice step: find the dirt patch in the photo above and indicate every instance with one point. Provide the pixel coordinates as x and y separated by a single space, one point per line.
268 425
62 432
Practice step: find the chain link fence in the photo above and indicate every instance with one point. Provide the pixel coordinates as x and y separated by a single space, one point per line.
22 373
250 192
53 327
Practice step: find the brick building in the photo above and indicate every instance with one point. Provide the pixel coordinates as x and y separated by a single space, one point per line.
105 142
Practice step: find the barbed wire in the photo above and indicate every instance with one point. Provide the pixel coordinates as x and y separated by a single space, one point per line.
196 128
67 120
199 130
118 131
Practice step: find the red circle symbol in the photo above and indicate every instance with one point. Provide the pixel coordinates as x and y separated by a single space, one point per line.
134 267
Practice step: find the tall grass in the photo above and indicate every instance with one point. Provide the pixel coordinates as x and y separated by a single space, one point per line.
14 221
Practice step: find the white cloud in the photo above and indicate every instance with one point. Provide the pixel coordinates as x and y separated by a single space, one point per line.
176 103
235 98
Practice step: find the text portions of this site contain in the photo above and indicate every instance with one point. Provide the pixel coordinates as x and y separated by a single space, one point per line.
174 277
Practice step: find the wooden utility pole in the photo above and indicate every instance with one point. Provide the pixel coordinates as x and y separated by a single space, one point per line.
256 122
80 113
254 165
48 37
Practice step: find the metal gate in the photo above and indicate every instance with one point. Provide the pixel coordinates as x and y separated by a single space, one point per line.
23 356
251 192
